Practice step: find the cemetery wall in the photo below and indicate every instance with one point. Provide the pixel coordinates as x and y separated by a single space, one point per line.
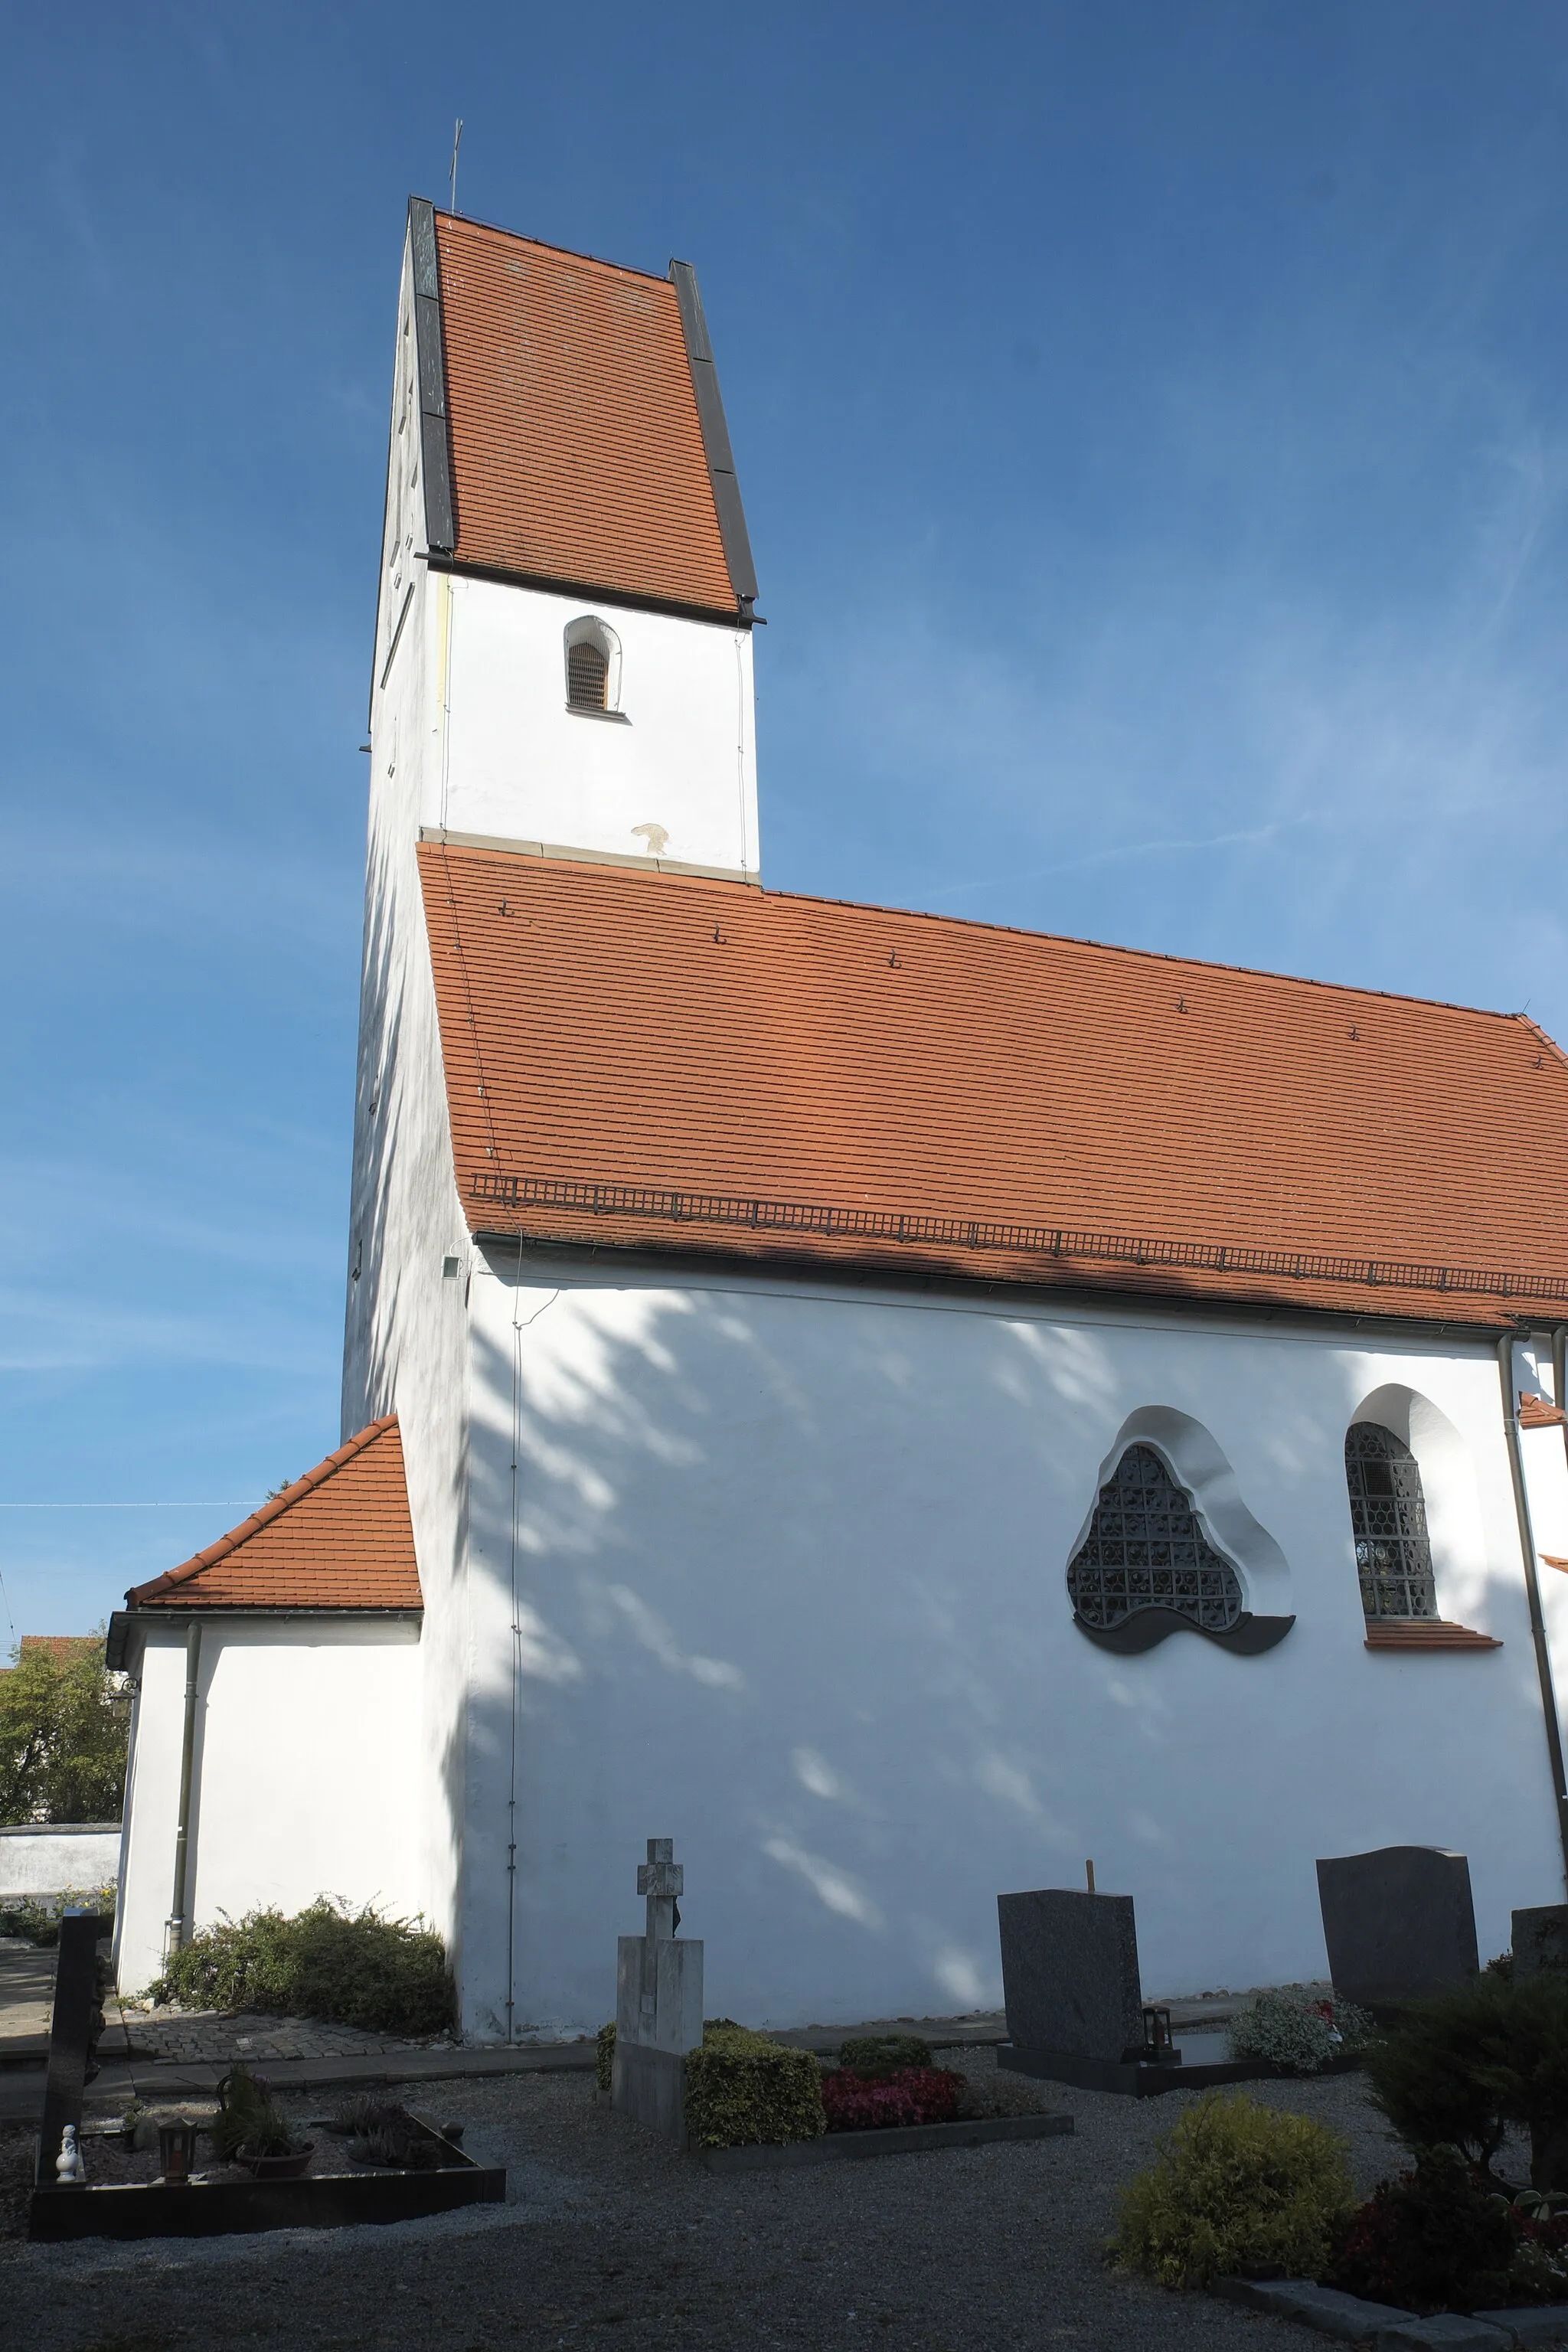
791 1561
51 1858
305 1778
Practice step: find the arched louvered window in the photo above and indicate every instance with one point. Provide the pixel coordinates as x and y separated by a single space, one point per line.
587 674
1146 1549
1388 1516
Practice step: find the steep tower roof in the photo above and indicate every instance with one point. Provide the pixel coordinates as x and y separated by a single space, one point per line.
584 428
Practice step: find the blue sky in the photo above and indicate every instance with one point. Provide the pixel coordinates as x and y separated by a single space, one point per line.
1153 432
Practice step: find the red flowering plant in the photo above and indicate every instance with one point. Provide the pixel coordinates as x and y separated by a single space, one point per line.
915 2094
886 2080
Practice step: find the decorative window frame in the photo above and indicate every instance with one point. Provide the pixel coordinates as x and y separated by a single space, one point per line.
1200 1468
1456 1529
588 629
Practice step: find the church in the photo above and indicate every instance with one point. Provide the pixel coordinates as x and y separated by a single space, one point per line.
902 1406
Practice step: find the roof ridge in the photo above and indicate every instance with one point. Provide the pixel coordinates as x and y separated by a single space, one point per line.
755 890
542 245
273 1509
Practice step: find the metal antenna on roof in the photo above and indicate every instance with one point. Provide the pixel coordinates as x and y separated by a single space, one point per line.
457 142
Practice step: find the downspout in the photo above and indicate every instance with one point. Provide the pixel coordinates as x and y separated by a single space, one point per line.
1532 1581
177 1929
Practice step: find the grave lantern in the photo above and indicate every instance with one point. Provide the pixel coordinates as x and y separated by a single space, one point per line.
1159 2050
176 2146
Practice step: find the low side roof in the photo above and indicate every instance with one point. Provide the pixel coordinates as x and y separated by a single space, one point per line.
338 1537
577 449
675 1062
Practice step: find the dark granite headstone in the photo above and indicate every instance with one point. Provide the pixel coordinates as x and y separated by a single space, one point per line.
1540 1939
1399 1923
1070 1972
75 2023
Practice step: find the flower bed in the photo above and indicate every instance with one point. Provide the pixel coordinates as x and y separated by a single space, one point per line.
914 2095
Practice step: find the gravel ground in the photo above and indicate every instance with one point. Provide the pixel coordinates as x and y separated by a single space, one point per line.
609 2237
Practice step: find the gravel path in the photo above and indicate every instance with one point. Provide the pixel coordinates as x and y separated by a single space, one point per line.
610 2238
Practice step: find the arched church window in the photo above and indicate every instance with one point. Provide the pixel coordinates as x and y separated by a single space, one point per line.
587 674
1388 1517
593 667
1146 1549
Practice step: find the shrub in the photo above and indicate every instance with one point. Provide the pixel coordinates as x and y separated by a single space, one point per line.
878 2056
1465 2066
349 1968
37 1918
247 2118
64 1729
1289 2032
741 2089
1233 2185
915 2094
1434 2240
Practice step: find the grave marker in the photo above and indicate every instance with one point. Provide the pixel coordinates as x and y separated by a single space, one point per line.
1070 1973
659 2003
1540 1939
1399 1923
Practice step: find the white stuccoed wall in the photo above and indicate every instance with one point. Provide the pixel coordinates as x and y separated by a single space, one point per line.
307 1766
521 765
58 1857
791 1578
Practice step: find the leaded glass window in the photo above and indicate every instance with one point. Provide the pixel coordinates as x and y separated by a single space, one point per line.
1388 1515
1146 1549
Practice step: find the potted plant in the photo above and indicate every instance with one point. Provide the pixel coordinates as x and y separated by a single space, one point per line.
249 2130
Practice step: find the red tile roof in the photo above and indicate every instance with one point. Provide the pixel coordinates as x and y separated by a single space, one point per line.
577 453
338 1537
730 1070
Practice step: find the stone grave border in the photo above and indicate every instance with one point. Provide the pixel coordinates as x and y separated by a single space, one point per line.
197 2209
1388 2329
1148 2080
206 2209
899 2139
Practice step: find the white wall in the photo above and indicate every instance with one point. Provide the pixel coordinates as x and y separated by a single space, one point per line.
791 1569
306 1768
520 765
59 1858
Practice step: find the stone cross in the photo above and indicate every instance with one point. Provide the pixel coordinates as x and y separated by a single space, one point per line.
658 2001
663 1881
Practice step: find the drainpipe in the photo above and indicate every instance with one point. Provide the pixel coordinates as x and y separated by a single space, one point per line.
1532 1581
177 1927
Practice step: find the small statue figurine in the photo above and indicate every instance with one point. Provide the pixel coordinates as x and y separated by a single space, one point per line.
68 2165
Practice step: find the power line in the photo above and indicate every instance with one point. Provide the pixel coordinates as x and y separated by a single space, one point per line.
231 1504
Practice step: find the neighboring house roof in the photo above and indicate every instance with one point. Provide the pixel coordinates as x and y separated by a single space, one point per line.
577 449
664 1062
338 1537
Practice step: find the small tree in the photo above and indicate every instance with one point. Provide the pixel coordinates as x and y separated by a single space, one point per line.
64 1730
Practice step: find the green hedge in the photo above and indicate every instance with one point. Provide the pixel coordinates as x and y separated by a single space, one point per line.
741 2089
1234 2186
346 1967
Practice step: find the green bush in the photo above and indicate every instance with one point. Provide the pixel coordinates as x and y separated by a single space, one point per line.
248 2119
877 2057
1463 2067
1234 2185
37 1918
740 2087
347 1967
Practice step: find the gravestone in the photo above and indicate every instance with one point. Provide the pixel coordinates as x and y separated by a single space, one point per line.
1070 1973
1399 1923
1540 1940
75 2024
659 2003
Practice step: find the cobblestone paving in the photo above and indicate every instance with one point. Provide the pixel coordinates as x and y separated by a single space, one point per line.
217 2037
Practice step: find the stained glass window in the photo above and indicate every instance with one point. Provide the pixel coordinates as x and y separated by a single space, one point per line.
1388 1515
1146 1549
